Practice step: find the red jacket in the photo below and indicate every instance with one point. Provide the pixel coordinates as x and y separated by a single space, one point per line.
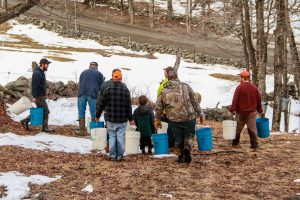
246 99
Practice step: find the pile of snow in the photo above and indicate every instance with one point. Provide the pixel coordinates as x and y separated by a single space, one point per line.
297 181
88 189
16 183
48 142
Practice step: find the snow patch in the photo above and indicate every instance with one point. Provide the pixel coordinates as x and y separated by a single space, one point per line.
17 184
88 189
164 156
47 142
297 181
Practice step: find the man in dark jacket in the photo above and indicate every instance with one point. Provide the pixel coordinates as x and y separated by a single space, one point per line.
116 102
246 103
144 120
89 85
38 92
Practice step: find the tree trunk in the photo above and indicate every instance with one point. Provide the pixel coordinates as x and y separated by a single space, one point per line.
131 11
170 10
278 63
243 39
294 54
17 10
251 50
67 14
151 13
122 6
261 48
4 4
188 15
285 85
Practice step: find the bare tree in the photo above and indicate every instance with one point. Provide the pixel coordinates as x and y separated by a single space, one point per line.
242 37
261 47
17 10
188 15
131 11
151 13
170 9
4 4
294 52
278 62
250 48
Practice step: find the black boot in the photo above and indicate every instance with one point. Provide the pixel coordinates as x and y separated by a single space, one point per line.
187 156
46 128
143 151
25 123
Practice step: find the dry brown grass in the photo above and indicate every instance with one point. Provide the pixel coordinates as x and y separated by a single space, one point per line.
228 77
60 59
2 191
233 174
126 69
5 27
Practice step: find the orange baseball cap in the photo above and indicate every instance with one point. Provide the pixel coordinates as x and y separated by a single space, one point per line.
245 74
117 75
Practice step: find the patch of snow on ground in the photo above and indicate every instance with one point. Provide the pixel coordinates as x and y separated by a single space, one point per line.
16 184
88 189
164 155
297 181
48 142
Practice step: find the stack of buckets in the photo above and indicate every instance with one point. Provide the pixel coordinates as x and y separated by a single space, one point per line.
98 135
132 140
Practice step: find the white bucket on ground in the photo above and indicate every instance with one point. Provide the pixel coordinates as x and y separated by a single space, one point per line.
87 124
21 105
229 129
99 138
132 140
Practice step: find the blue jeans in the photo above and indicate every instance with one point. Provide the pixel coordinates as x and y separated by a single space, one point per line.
116 133
82 101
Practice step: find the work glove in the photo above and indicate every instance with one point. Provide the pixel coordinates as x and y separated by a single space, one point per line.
157 124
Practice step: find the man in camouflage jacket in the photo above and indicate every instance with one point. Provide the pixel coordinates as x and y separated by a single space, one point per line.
177 99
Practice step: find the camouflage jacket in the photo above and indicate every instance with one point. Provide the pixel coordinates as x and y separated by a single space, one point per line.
177 99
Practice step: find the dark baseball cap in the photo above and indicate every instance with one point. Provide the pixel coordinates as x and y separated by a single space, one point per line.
94 63
44 61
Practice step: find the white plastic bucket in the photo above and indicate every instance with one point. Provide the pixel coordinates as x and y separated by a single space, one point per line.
132 141
87 124
164 128
99 138
229 129
21 105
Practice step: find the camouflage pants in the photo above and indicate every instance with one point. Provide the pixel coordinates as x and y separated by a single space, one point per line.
183 133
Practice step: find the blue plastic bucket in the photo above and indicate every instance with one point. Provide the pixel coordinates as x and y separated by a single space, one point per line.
262 125
95 125
36 116
160 143
204 138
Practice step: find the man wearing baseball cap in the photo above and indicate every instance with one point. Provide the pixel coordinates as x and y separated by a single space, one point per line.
90 82
246 103
38 92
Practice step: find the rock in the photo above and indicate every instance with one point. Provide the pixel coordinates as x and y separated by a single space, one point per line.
218 114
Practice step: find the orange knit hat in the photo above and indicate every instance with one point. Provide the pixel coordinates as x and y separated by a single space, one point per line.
117 75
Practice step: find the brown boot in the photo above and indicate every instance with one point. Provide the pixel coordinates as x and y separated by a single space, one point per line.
81 131
46 128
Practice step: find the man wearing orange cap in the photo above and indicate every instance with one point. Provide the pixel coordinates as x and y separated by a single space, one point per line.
116 102
246 103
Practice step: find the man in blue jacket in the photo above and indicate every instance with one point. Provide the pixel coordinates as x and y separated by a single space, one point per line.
38 92
90 82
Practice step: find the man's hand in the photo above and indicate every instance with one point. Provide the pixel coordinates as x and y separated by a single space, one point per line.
34 100
131 123
97 119
202 117
157 124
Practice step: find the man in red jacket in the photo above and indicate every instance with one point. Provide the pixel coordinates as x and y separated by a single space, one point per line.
246 103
